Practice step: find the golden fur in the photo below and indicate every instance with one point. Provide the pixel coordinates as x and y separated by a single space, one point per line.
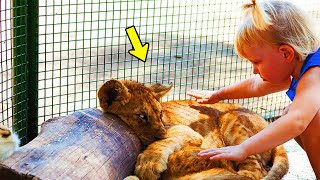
176 131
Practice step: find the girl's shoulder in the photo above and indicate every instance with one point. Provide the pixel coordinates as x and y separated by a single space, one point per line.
311 78
312 60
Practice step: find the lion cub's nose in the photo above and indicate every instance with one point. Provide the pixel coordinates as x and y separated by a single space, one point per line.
161 133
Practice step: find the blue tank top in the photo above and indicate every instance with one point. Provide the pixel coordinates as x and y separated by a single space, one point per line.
312 60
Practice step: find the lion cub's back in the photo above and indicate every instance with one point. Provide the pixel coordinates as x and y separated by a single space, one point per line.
189 111
204 117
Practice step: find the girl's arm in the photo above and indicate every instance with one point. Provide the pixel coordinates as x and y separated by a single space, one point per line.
252 87
302 110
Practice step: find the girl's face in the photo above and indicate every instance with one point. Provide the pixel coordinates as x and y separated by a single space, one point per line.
269 62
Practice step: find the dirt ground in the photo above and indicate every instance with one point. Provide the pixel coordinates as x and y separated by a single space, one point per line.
299 165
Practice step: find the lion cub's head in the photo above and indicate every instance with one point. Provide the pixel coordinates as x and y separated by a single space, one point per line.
137 105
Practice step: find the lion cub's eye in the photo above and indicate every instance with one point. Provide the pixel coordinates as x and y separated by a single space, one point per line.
143 118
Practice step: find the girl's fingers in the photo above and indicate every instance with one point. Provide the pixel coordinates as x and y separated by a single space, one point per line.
227 153
202 101
193 94
215 155
209 150
207 154
213 151
220 157
197 93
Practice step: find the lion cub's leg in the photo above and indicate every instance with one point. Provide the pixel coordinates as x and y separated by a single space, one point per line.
153 161
236 128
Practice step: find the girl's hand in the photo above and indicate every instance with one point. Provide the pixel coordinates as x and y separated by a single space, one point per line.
236 153
204 96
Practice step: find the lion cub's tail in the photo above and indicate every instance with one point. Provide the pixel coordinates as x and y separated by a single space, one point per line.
280 164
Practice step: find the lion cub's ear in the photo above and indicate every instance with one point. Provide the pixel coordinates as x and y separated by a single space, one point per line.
113 91
159 90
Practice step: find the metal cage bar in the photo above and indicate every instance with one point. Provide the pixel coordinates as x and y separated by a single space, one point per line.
25 68
19 68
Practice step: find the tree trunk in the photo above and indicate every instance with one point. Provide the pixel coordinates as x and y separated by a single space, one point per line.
87 144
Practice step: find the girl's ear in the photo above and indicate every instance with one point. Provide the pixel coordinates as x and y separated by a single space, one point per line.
287 53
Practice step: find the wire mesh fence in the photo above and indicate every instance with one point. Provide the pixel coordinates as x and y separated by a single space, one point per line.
82 43
13 92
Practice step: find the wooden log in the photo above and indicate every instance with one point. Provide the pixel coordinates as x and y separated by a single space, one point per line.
87 144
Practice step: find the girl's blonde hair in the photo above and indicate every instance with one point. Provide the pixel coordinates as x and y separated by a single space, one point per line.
278 23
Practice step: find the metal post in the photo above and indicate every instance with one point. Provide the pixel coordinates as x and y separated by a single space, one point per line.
19 65
25 68
32 58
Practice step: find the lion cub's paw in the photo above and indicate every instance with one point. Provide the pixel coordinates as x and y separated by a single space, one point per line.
153 161
150 166
131 178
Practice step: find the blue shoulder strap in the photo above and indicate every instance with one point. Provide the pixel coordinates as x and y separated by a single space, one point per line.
311 61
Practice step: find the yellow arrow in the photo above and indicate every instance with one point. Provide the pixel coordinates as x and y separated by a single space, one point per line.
138 50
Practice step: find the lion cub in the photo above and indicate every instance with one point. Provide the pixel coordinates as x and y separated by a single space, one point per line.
9 143
175 131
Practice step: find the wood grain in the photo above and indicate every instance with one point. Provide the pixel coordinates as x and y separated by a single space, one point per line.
87 144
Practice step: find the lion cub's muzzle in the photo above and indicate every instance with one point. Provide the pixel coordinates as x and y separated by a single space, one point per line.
161 133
